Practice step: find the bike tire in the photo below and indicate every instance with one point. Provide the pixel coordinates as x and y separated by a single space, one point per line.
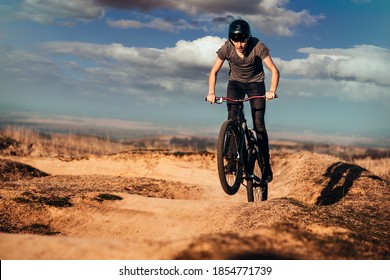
264 192
250 191
228 151
263 188
252 156
256 192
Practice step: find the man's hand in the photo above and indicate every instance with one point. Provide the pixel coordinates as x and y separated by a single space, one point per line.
211 98
269 95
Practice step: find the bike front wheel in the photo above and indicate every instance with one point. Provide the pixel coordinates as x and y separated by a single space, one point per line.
229 157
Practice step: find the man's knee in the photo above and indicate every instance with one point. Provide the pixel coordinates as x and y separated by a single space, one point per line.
232 111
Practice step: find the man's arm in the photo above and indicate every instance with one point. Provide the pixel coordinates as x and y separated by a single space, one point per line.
213 79
275 77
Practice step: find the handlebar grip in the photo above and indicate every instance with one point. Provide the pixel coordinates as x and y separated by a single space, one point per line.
218 100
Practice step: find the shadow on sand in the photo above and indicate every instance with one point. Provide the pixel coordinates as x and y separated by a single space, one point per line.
341 178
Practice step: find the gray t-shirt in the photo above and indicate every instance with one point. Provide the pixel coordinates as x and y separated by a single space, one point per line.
249 68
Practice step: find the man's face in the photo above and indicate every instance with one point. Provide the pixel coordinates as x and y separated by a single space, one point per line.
240 45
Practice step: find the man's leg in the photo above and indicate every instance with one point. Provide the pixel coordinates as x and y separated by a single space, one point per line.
258 112
234 91
262 140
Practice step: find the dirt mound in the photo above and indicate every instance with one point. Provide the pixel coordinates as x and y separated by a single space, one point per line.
13 171
169 206
318 179
288 229
320 207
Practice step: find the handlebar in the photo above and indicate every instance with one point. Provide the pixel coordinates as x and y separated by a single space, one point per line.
220 100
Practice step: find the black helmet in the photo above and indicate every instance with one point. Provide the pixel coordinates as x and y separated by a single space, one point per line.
239 30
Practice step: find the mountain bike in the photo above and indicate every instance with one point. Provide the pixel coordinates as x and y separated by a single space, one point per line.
238 157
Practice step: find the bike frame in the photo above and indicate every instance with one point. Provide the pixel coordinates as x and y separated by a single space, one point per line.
247 146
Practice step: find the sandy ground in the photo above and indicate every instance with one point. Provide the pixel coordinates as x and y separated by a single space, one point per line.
153 205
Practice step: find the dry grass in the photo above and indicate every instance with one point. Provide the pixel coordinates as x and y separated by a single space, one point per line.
380 167
21 141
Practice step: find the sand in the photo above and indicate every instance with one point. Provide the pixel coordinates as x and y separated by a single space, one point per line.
155 205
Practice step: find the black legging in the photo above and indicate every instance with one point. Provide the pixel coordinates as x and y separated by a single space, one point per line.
237 90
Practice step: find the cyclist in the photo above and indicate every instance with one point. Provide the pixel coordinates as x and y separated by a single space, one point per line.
246 55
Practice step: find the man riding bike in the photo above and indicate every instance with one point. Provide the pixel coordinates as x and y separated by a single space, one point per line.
246 55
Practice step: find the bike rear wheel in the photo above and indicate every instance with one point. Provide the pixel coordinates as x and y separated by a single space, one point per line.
228 157
256 191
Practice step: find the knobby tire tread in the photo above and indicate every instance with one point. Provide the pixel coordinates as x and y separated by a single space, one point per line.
229 188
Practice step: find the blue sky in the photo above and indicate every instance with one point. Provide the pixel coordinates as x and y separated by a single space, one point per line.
144 64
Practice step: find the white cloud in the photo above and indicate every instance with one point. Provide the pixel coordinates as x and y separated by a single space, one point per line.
143 72
22 66
345 74
281 21
124 24
156 23
340 90
200 53
100 53
348 74
50 11
362 63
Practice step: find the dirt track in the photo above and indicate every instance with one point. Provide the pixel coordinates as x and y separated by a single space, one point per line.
159 206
